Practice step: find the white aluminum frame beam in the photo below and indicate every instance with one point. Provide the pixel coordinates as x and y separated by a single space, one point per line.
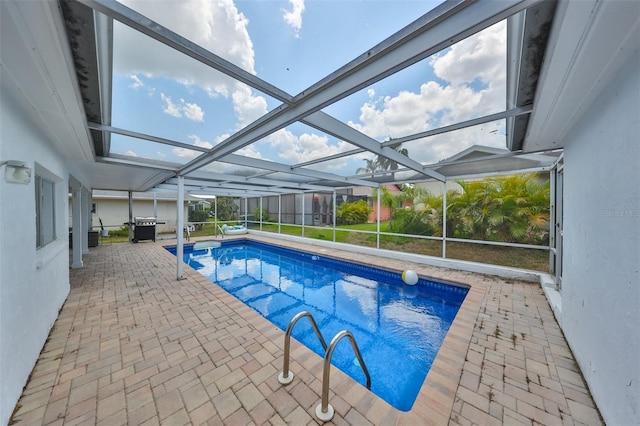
235 159
163 187
445 25
104 51
231 185
152 29
139 162
442 27
138 135
464 124
284 168
183 45
216 178
445 129
227 185
337 128
515 25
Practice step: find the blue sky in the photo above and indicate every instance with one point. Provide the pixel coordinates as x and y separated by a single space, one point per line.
293 44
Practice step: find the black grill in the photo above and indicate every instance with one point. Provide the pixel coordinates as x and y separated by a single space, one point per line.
145 229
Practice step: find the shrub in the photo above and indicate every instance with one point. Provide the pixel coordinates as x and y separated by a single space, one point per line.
352 213
410 221
511 209
199 216
261 214
227 208
122 232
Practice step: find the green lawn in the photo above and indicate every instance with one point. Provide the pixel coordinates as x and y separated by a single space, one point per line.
505 256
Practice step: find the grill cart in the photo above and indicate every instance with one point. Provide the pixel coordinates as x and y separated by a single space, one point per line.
145 229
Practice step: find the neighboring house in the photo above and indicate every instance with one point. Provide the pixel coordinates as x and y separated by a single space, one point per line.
487 161
586 102
199 205
112 207
385 211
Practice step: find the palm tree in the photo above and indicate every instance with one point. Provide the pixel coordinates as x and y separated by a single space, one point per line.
510 208
372 166
388 164
380 163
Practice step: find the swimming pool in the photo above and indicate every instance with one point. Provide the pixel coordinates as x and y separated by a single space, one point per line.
398 328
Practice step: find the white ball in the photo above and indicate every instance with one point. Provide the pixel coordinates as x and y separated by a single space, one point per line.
410 277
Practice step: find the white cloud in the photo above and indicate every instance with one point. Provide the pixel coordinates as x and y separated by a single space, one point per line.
193 112
478 57
250 151
443 146
217 26
474 72
131 153
182 108
170 108
294 149
188 153
247 106
137 83
293 17
199 142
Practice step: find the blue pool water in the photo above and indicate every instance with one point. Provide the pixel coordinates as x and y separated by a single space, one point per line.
398 328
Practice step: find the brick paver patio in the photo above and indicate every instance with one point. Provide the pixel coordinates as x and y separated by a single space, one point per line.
133 345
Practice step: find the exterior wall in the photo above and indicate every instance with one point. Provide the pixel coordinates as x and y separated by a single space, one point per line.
601 283
33 282
114 212
385 211
435 187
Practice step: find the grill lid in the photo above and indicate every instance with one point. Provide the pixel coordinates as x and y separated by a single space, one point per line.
145 221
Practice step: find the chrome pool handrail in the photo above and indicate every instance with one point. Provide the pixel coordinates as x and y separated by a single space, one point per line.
324 410
286 376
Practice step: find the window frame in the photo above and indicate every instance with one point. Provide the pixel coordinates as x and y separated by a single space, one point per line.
45 209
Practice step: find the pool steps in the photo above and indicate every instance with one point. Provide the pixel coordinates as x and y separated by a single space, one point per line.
324 410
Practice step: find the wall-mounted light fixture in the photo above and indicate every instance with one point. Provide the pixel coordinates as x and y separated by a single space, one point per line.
16 172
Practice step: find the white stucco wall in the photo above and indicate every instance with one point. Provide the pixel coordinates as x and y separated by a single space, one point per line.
601 280
114 212
33 283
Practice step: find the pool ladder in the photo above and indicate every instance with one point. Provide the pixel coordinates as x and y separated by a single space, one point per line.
324 410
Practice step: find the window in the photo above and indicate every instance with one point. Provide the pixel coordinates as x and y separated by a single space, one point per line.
45 211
